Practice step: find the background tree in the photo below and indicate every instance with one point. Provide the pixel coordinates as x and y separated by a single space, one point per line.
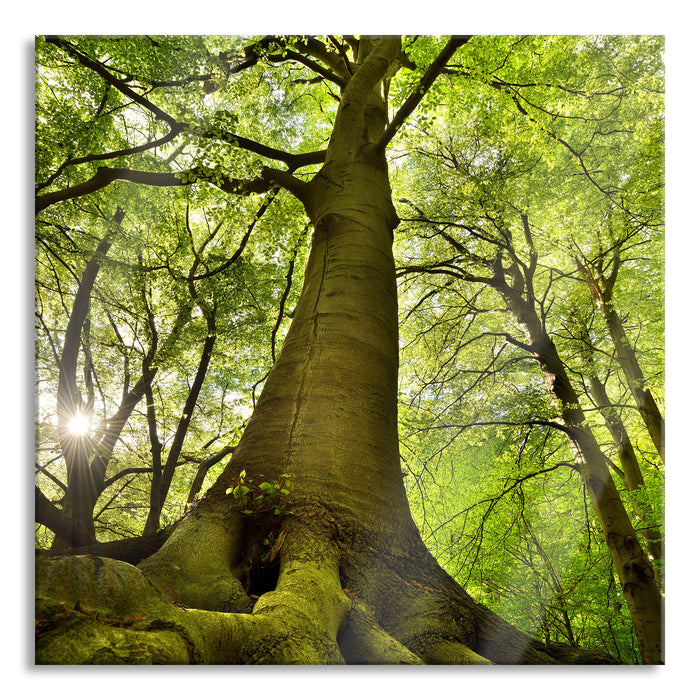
476 164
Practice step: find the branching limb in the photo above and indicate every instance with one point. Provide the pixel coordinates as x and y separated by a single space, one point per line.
58 522
286 180
293 161
125 472
304 50
464 426
105 176
283 300
47 473
203 467
241 246
308 63
172 134
446 267
426 81
111 79
350 118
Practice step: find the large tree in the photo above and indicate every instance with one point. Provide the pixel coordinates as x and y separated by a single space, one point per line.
304 549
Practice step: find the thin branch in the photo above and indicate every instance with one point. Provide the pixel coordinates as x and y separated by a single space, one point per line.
464 426
172 134
112 80
47 473
283 300
293 161
242 244
126 472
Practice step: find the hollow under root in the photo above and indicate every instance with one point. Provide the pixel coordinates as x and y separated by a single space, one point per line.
298 622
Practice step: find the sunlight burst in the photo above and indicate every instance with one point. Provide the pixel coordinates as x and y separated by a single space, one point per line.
79 424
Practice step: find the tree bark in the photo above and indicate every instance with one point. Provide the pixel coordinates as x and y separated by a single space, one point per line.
161 484
81 491
631 471
643 398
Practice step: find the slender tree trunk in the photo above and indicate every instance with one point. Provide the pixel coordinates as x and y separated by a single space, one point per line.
601 287
632 474
80 488
643 398
555 585
161 482
156 454
87 458
634 571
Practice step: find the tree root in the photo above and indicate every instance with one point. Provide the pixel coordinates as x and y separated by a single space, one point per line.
397 610
363 641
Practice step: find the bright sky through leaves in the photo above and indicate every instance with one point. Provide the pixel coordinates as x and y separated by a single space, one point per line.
79 424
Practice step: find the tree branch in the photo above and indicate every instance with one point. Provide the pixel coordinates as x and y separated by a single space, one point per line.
416 96
204 467
106 176
172 134
112 80
308 63
125 472
242 244
65 528
464 426
293 161
372 68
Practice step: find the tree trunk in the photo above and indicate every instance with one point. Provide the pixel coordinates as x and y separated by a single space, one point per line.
632 473
634 571
160 484
601 287
81 490
643 398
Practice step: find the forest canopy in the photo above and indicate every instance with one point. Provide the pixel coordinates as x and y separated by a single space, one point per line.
219 322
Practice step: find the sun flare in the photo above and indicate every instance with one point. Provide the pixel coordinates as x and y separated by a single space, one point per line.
79 424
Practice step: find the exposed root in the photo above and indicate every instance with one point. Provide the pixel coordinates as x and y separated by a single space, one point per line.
363 641
396 609
308 603
452 653
419 605
196 566
103 611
